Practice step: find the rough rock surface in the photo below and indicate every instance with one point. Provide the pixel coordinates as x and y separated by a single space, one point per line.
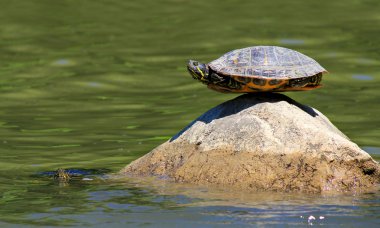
262 142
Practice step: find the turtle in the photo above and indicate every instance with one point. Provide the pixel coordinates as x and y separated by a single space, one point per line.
62 175
71 175
259 69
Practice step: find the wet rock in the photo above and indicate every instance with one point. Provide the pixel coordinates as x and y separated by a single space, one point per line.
262 142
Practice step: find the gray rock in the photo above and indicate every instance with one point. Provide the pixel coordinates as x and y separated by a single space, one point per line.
262 142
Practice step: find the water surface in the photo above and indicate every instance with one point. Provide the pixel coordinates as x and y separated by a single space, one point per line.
97 84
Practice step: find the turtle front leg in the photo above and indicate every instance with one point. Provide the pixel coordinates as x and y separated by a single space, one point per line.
218 83
216 79
218 88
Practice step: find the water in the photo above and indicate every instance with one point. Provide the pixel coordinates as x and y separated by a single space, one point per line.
97 84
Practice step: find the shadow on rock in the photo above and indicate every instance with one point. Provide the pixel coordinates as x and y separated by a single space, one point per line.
243 102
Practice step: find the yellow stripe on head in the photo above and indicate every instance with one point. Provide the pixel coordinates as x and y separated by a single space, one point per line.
203 76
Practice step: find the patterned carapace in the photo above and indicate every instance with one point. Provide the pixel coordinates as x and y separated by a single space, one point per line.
259 69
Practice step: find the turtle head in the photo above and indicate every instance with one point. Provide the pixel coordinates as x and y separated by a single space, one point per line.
198 70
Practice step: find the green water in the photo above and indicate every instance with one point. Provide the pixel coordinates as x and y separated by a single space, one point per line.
97 84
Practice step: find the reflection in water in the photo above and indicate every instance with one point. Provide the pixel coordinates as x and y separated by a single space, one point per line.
367 61
100 83
372 150
62 62
362 77
210 205
148 201
291 42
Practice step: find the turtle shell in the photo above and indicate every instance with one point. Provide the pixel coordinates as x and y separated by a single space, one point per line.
266 68
269 62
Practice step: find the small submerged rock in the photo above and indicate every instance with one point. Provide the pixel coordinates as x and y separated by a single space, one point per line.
262 142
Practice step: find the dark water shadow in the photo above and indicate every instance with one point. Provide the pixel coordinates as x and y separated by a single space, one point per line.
74 172
241 103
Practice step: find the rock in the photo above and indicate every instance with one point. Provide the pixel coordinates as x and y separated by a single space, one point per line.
262 142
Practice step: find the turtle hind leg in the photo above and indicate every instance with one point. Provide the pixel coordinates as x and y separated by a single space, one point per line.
315 80
298 82
312 81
